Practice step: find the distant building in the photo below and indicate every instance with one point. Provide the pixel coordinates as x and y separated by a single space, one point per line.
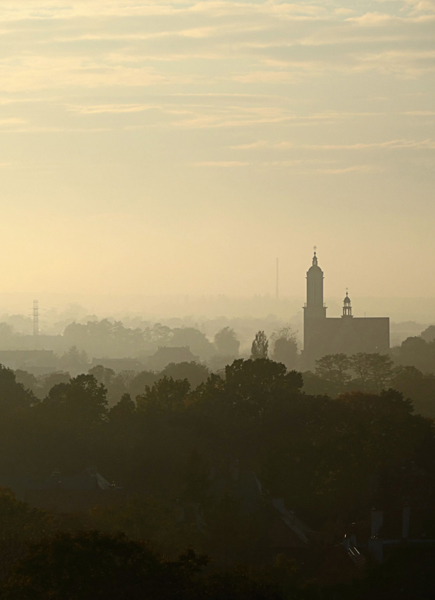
166 355
119 364
345 334
37 362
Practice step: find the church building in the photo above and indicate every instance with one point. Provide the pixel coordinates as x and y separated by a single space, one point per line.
346 334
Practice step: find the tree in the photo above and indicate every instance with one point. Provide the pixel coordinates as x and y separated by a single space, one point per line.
13 394
197 341
165 395
420 388
417 352
334 368
119 386
69 422
194 372
360 364
285 347
380 370
28 380
74 359
141 382
226 342
314 385
196 487
82 400
46 382
18 519
158 335
123 411
252 385
100 566
19 525
260 346
429 333
374 371
246 376
142 517
102 374
93 565
105 338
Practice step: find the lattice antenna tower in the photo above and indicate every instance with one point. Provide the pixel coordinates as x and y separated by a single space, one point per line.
35 317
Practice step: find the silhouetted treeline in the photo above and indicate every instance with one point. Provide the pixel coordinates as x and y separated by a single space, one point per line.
337 374
154 346
206 465
254 413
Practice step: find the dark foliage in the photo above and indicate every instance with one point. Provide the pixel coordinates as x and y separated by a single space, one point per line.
178 450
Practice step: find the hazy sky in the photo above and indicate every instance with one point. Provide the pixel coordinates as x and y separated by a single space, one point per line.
180 147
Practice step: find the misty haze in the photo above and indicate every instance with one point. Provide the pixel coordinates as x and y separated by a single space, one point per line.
217 308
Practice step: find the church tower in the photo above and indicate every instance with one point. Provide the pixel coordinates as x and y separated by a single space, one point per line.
314 308
337 335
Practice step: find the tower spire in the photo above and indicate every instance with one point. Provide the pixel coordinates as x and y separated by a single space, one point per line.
315 307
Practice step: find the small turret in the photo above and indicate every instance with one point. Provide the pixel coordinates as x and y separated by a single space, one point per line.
347 306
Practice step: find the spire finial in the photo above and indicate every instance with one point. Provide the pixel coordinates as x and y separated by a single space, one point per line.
315 256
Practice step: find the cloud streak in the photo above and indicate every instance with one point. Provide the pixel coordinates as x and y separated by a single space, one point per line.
220 164
426 144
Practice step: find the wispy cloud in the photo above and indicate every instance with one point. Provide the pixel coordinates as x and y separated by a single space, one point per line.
415 6
408 64
251 146
99 109
212 68
220 163
306 162
387 145
11 122
419 113
352 169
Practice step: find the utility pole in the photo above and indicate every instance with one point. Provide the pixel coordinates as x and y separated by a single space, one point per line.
35 318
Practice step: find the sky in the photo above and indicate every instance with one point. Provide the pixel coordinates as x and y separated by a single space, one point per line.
181 147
